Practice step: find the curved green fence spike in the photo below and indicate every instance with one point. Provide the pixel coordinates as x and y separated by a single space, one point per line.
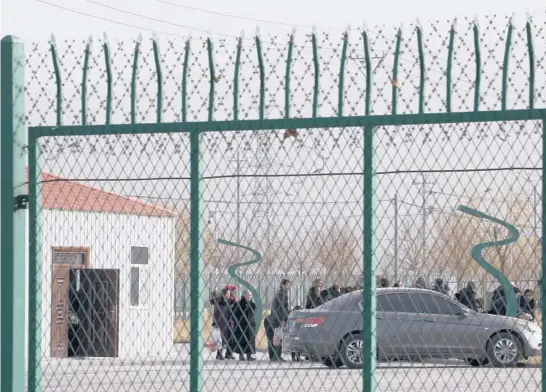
159 75
136 55
478 57
86 56
58 82
368 60
341 78
262 77
185 68
232 272
394 80
108 67
507 48
422 69
212 76
236 79
477 250
531 52
316 67
450 49
287 77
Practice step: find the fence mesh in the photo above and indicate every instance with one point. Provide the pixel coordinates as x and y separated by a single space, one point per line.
115 219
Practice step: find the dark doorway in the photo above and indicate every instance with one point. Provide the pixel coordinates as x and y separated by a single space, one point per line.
93 313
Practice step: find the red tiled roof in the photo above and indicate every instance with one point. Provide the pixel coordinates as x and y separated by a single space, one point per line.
62 194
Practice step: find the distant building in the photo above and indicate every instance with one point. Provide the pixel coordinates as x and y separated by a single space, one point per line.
107 273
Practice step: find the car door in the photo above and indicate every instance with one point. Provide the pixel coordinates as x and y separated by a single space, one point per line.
399 325
449 329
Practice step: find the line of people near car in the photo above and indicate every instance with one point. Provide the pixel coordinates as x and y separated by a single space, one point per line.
236 322
468 297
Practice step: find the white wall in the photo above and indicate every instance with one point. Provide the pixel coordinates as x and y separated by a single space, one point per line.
144 331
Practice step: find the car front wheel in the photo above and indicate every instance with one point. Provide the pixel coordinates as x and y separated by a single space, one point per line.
351 351
504 350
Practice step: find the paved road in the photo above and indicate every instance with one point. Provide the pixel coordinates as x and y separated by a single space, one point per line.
172 375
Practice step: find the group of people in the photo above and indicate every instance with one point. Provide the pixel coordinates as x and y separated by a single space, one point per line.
236 321
468 296
317 295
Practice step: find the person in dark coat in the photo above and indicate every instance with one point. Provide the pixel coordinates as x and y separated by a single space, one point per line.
244 332
498 302
279 314
314 298
330 293
467 296
384 283
527 303
440 287
223 319
420 283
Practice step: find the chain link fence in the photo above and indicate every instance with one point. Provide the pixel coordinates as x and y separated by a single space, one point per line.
161 171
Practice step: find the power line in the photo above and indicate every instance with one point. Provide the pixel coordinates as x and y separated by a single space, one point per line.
109 20
247 18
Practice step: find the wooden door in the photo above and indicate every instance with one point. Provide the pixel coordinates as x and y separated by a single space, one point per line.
59 311
101 288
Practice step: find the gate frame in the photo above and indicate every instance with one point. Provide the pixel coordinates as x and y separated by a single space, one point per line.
195 129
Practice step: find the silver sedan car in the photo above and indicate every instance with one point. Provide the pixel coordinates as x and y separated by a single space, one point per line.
412 324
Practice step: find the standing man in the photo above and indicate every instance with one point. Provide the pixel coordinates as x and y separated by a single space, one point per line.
279 314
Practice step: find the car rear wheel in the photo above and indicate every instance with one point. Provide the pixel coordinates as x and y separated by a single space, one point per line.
351 351
504 350
333 363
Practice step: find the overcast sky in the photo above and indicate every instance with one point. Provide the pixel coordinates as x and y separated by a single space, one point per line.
34 19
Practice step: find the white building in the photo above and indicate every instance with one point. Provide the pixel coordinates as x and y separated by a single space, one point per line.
108 261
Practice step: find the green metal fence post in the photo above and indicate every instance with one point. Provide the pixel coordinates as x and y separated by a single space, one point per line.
368 308
185 68
34 269
134 78
287 76
58 82
394 80
86 56
531 53
197 304
212 74
449 69
12 221
159 76
108 69
341 77
369 70
262 74
422 68
236 78
507 49
316 68
478 58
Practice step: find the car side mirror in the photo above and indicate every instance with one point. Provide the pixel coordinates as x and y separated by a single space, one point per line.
462 314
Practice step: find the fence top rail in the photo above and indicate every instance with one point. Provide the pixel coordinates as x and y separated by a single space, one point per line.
290 124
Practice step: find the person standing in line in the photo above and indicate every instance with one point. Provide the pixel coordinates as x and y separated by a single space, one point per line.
222 319
467 296
527 303
244 332
314 297
277 319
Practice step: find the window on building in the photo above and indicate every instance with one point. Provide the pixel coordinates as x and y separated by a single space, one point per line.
139 276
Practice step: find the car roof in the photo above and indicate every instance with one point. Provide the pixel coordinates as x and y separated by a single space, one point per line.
398 290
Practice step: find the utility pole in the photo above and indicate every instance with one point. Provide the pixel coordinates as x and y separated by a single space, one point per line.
396 261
